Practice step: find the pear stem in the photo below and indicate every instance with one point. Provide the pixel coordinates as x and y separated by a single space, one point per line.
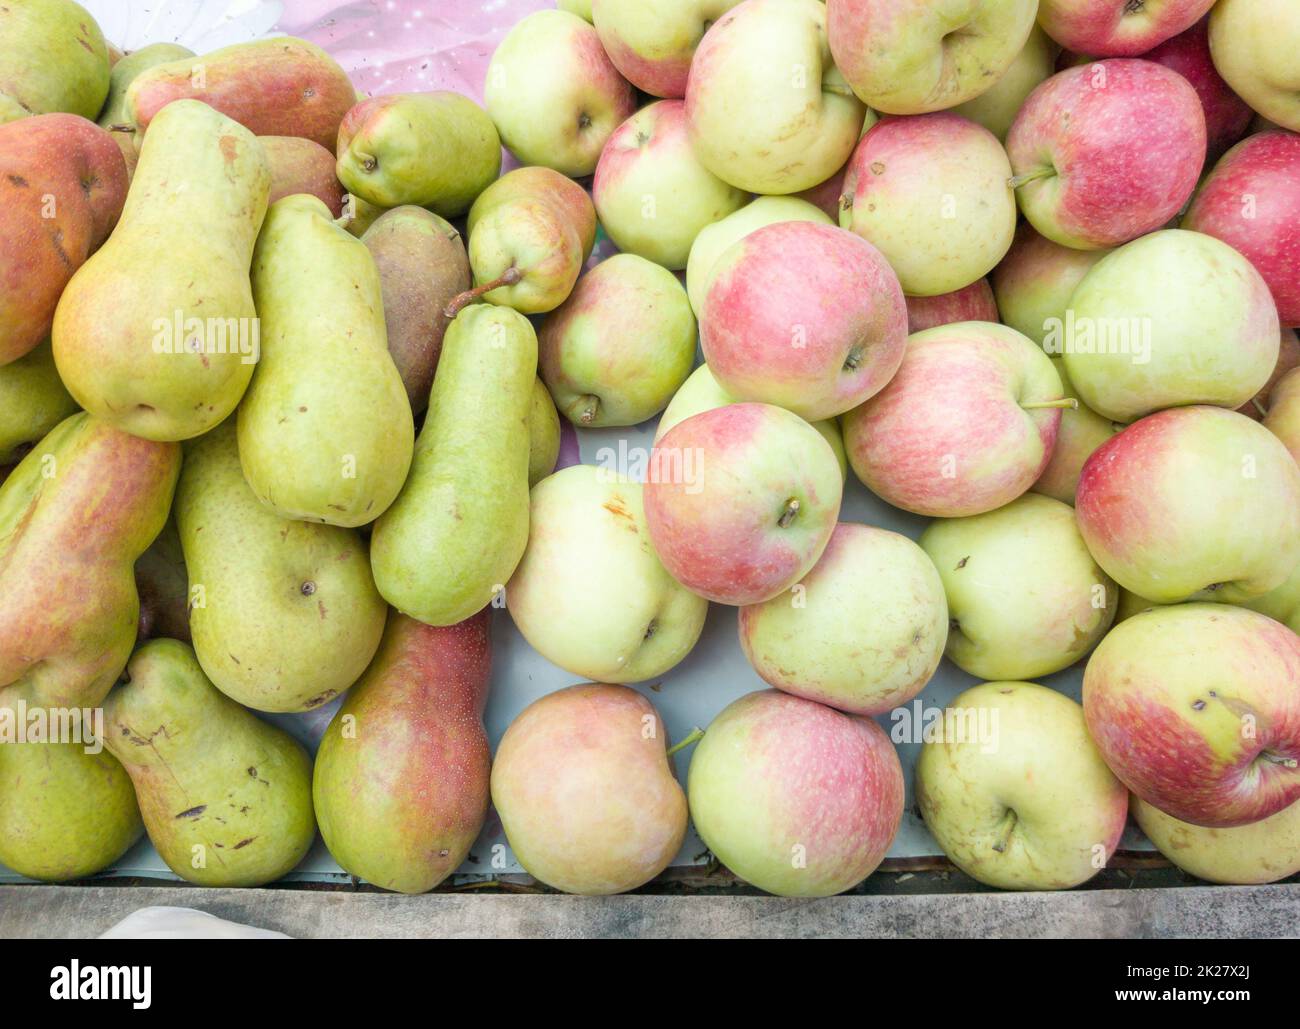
1069 402
694 736
509 277
1015 182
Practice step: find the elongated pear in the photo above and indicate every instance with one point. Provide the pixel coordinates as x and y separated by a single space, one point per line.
401 778
284 614
454 535
156 333
75 514
225 797
325 432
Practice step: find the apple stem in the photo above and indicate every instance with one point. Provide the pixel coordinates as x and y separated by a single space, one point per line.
1278 759
1010 819
787 516
121 127
1016 181
1069 402
1263 411
509 277
694 736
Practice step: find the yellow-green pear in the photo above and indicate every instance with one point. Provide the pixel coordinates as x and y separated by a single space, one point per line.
543 435
33 400
52 58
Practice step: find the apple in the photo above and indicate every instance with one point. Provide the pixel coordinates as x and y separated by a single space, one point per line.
1025 598
1131 604
863 632
1288 357
716 237
652 43
1254 44
1254 854
553 94
931 193
1283 418
582 8
1034 282
1030 805
701 392
966 425
1082 431
1106 152
767 109
973 303
826 196
806 316
996 107
1193 503
1282 603
589 594
1251 201
741 501
1227 116
1117 28
1173 318
618 348
584 786
915 56
794 797
1196 707
653 197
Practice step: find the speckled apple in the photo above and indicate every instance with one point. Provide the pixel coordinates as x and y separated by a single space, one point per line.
1117 28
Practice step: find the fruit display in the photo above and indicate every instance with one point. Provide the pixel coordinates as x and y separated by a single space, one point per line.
436 477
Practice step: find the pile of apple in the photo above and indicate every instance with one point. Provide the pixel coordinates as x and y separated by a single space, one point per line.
1027 268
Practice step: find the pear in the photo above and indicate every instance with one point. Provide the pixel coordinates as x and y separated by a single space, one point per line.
529 233
65 813
325 432
401 778
301 166
156 332
114 116
543 435
422 266
52 58
62 186
225 797
284 614
33 400
273 87
163 584
75 515
454 535
437 150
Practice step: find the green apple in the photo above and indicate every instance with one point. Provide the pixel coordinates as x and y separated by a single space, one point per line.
1261 852
1283 418
1025 597
1026 804
1282 603
1082 431
1034 282
582 8
1254 44
589 594
997 106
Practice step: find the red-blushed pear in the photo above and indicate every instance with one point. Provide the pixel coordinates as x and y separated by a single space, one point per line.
1082 431
1283 418
1196 707
966 425
1106 152
1227 116
1288 357
863 632
1254 44
931 193
973 303
651 194
1015 793
1173 318
1034 282
773 337
768 110
795 798
1117 28
583 782
741 501
997 106
1193 503
914 56
1261 852
1251 201
652 44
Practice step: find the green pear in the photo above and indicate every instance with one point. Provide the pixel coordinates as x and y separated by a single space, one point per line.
437 150
543 435
52 58
33 400
64 813
115 115
325 431
226 798
455 533
401 778
75 515
358 215
529 233
157 333
284 614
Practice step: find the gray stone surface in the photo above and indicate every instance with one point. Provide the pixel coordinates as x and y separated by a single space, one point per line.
1267 911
